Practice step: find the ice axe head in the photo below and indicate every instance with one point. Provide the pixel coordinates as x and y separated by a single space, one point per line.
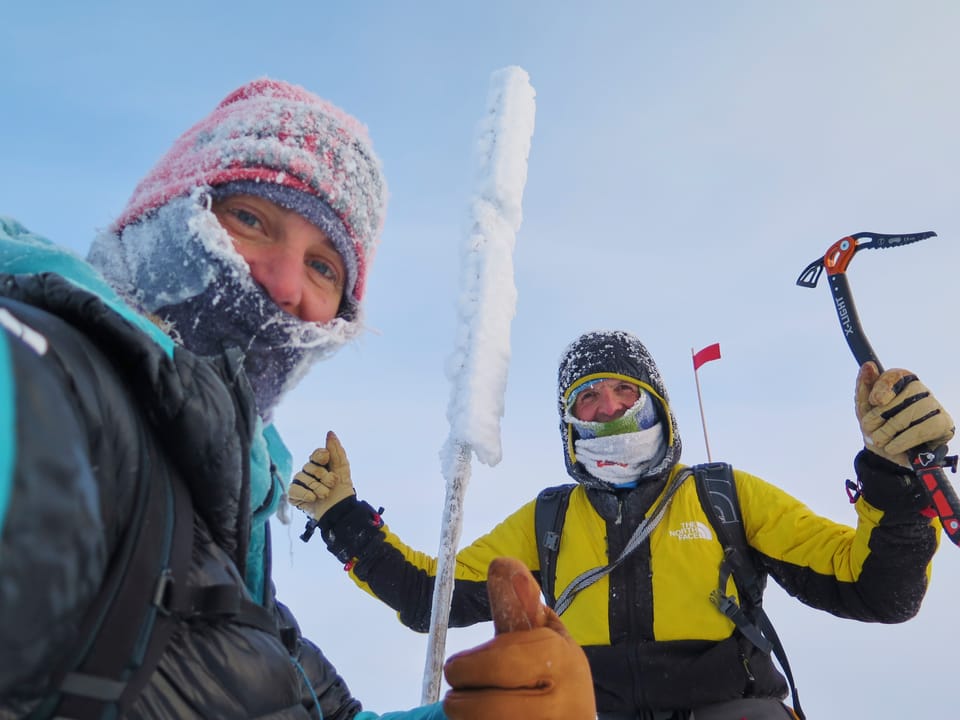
835 262
927 464
838 256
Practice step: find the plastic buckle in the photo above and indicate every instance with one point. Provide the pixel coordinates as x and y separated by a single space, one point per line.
163 592
309 529
950 461
551 540
854 490
725 603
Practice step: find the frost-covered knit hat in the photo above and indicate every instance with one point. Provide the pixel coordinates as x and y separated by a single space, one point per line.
272 132
168 255
603 354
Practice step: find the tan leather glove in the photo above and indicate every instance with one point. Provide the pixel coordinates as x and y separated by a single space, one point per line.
531 670
324 480
898 413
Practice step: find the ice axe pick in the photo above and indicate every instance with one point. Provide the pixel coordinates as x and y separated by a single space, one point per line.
927 463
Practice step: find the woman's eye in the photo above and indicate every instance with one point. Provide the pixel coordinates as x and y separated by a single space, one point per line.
246 217
325 270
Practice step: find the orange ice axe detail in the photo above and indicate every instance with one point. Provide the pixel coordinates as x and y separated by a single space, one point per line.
927 463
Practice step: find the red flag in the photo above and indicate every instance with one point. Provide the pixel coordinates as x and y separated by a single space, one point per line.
710 352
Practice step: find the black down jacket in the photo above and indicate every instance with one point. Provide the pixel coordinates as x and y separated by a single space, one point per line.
98 407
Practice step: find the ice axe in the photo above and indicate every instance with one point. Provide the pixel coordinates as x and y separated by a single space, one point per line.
927 463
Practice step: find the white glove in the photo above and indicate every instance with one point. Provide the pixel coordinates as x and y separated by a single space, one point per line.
324 480
898 413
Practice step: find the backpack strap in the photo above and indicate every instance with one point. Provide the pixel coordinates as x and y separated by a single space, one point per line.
126 627
717 491
143 599
640 535
549 514
718 497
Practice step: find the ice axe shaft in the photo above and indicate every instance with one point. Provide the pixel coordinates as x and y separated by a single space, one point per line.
927 463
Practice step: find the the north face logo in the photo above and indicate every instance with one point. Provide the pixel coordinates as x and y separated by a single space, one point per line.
695 530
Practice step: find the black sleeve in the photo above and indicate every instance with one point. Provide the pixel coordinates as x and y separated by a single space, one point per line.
336 702
895 545
889 487
349 528
399 576
903 544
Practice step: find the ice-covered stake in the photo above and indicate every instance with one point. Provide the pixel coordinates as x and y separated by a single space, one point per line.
477 368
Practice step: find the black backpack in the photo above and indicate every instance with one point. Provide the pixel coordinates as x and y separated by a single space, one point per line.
142 600
718 496
126 627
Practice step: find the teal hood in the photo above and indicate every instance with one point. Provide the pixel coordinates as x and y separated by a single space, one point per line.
25 253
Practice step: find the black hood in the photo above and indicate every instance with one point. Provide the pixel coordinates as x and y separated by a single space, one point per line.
613 353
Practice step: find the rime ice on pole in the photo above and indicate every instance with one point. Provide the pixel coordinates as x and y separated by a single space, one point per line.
478 366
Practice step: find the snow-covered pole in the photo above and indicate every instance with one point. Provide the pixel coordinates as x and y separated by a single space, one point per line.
477 368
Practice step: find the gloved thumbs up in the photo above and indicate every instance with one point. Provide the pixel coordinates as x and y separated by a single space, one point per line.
324 480
532 669
898 413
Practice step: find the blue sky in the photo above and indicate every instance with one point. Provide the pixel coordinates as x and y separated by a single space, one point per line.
689 160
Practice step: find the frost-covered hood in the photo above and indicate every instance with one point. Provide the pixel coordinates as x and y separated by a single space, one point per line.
36 264
168 256
612 354
271 133
179 265
23 252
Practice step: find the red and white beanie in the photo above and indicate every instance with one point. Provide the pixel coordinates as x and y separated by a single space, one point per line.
283 142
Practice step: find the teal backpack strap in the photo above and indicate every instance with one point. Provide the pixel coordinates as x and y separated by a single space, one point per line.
717 491
8 436
549 514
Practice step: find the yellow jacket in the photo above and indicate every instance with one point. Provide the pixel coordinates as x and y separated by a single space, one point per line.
652 634
654 639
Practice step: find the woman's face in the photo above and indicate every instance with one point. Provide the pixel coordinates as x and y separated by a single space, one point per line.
290 257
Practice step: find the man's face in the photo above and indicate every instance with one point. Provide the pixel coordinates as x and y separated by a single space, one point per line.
605 400
290 257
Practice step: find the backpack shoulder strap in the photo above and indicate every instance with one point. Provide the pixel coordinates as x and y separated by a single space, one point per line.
718 497
143 599
549 515
717 491
126 627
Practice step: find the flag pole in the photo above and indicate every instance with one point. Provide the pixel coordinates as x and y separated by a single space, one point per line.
703 421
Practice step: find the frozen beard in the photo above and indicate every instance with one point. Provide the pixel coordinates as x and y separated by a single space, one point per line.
179 265
624 450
